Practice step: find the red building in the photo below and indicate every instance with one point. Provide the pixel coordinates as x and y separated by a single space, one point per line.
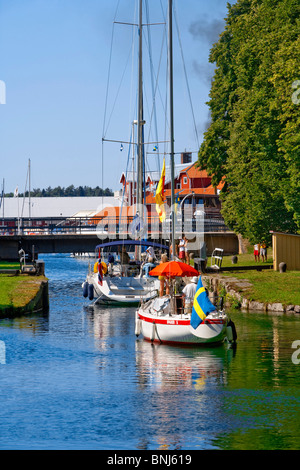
192 187
193 191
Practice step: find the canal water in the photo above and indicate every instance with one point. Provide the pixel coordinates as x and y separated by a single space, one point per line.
78 378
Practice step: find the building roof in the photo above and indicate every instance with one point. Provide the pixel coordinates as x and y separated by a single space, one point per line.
116 211
155 175
55 206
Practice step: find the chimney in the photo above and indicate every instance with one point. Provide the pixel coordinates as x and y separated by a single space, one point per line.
186 157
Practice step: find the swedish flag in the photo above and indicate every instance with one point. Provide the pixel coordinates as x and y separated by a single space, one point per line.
202 306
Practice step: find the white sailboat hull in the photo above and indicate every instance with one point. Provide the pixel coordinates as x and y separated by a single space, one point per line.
176 329
129 290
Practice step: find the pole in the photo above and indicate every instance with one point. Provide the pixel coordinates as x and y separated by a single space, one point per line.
171 126
3 192
29 201
140 111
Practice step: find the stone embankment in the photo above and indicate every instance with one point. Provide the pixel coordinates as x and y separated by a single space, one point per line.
236 295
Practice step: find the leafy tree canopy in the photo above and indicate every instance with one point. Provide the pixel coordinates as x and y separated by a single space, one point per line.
253 142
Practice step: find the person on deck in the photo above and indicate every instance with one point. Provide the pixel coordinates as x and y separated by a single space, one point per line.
149 262
188 293
111 260
124 259
163 280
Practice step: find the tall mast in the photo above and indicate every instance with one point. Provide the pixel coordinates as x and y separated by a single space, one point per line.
3 192
140 111
29 201
171 126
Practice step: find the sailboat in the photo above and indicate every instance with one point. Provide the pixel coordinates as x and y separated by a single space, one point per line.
106 283
110 283
164 319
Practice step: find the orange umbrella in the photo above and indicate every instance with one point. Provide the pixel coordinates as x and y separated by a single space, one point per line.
174 269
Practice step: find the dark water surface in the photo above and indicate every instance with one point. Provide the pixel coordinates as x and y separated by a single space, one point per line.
79 379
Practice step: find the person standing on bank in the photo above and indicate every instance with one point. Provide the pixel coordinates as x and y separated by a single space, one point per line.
182 248
256 252
187 255
263 251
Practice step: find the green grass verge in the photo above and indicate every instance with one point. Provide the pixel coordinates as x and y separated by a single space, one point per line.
9 265
244 260
18 291
268 286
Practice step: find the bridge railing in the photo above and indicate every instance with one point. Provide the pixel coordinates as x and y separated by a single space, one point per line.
106 227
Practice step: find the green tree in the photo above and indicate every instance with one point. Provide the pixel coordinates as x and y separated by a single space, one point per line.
70 191
253 140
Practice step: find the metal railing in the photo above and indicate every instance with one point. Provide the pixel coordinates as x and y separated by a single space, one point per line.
105 227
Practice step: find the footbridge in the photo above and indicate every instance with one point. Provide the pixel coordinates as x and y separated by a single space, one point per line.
78 235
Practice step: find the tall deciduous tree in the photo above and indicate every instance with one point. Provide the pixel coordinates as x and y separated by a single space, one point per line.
253 141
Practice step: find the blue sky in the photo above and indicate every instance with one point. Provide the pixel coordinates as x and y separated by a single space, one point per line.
55 62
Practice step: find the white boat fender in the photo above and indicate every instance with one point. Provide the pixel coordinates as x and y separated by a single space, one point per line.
137 324
85 286
231 332
91 291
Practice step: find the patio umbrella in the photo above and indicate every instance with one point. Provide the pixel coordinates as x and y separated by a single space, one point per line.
174 269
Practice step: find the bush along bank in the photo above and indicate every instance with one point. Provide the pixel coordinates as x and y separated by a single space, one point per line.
23 295
235 292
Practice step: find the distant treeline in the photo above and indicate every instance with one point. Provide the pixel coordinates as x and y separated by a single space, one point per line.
70 191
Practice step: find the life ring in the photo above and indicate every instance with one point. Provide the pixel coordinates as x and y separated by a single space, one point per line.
104 267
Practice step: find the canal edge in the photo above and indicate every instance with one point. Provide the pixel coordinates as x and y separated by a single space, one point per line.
238 298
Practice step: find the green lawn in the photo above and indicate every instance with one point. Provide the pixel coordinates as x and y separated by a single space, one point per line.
9 265
268 285
244 260
17 291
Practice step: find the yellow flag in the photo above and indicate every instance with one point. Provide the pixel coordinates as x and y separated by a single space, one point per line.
159 196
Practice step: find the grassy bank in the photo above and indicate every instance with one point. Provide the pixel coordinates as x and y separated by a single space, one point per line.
9 265
245 260
18 293
267 286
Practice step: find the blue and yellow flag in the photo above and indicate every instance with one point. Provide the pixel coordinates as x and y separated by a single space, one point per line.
202 305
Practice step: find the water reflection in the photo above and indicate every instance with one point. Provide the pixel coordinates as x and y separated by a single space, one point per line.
79 378
162 366
180 385
35 323
105 323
